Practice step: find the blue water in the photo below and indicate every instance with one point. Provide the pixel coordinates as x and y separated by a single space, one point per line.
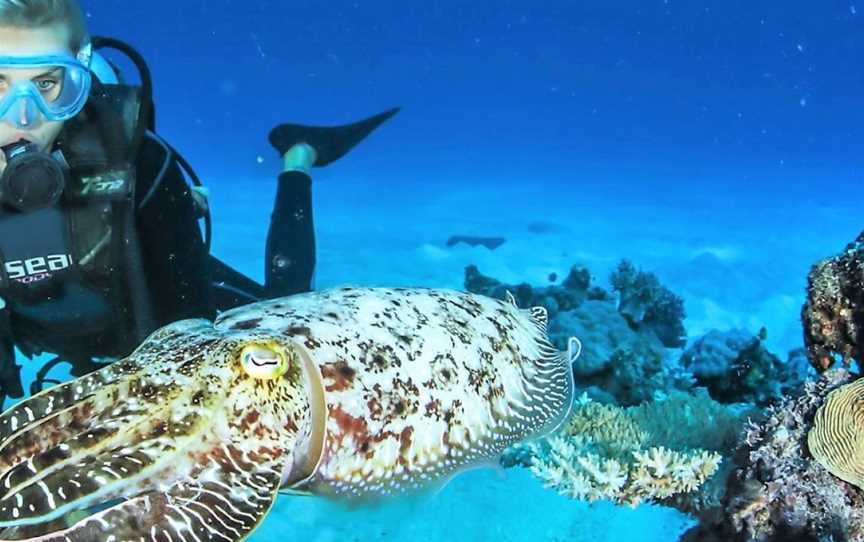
659 131
763 92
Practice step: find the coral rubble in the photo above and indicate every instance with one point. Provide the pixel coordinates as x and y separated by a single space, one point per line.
776 491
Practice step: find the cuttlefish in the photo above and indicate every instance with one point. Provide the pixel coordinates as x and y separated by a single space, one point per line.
350 393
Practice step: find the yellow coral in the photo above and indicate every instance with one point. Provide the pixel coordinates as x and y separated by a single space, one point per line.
604 453
837 437
604 426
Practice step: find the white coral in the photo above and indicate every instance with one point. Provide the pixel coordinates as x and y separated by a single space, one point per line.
657 460
609 475
572 468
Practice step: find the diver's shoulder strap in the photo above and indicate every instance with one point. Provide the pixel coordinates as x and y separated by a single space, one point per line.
101 146
106 133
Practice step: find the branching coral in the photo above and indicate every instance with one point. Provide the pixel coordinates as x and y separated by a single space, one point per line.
623 455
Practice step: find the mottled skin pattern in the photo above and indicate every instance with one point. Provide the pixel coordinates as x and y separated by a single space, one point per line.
347 392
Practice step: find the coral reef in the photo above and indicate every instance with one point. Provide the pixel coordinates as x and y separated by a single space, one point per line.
837 433
776 491
573 290
736 367
646 303
833 313
661 451
618 364
624 359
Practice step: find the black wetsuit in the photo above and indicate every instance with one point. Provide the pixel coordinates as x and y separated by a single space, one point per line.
195 284
181 279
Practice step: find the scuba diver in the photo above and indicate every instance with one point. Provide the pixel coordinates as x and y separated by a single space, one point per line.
100 241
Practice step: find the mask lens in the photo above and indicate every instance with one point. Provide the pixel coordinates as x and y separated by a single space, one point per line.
50 85
56 86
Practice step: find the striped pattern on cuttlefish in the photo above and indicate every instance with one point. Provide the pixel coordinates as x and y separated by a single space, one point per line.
349 393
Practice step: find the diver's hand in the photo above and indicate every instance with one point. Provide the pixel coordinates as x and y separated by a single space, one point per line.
201 201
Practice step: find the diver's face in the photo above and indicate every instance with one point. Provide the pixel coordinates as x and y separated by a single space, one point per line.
31 42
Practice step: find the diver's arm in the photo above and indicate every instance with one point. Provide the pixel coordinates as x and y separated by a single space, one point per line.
10 372
290 255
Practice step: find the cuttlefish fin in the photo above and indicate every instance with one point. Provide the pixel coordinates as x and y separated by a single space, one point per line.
226 509
292 492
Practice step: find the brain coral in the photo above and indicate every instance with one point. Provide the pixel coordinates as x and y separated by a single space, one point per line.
837 437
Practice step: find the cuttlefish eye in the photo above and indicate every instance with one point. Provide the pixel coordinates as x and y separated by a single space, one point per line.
263 361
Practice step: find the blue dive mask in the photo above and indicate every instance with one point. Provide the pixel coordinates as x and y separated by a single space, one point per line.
58 94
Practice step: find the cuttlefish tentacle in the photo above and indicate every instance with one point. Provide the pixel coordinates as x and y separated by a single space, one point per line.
219 510
47 418
180 442
227 507
68 478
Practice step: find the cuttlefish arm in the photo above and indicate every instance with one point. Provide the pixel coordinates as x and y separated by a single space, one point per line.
228 508
84 405
189 438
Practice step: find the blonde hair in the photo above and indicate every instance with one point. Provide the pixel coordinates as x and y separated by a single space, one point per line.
41 13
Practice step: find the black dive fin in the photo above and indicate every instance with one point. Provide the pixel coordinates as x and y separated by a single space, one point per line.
330 142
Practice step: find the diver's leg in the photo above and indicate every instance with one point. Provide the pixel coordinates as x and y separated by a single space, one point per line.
290 258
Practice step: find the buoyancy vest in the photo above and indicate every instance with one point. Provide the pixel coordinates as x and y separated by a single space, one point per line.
71 273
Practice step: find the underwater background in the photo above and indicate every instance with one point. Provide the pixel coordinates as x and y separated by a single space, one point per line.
715 145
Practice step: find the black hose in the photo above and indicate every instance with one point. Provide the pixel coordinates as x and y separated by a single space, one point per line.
208 221
39 382
147 114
